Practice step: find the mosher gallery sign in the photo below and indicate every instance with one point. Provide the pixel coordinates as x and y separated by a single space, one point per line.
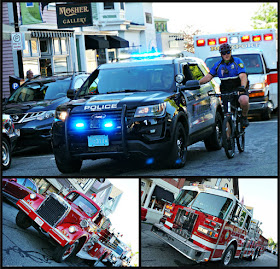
73 15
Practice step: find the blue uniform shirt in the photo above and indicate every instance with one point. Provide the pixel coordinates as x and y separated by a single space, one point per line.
228 72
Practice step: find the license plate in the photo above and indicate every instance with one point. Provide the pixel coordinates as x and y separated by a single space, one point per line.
98 140
39 221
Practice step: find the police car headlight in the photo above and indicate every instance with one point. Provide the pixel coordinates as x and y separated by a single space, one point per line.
154 110
72 229
61 115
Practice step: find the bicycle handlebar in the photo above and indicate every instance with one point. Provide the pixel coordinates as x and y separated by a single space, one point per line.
223 94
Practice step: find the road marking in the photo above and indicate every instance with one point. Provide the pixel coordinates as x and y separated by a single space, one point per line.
269 121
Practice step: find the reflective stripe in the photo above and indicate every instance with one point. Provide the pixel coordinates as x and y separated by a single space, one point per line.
272 78
203 242
229 78
167 223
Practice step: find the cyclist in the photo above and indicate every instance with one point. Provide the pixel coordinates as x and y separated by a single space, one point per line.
232 73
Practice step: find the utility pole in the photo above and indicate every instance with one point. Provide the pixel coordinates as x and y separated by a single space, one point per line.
19 54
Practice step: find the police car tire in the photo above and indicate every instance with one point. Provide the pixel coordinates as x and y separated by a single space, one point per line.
67 164
6 150
22 220
214 141
179 136
232 249
59 251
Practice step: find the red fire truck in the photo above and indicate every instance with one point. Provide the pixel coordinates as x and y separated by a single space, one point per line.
207 225
74 222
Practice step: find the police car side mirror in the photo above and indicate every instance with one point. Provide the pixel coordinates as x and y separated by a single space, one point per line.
71 93
192 85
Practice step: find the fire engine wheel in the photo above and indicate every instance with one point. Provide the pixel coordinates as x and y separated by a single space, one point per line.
63 253
256 254
22 220
228 256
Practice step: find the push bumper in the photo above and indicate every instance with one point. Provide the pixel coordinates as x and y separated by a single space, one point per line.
187 248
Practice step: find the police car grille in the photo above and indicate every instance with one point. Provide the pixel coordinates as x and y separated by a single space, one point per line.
184 223
51 210
25 117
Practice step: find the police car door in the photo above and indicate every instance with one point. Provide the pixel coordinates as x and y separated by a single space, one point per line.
205 109
191 100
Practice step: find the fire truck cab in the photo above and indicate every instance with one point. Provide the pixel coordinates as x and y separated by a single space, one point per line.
258 50
212 226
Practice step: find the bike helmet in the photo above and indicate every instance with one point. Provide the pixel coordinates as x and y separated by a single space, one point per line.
224 47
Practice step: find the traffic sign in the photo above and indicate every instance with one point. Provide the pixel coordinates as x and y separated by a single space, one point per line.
17 41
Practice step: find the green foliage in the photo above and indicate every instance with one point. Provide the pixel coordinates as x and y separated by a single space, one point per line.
265 18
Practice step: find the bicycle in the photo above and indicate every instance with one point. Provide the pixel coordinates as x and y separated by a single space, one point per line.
232 128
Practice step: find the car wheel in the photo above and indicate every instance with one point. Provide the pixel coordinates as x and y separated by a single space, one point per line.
22 220
6 153
214 141
267 114
228 256
178 154
63 253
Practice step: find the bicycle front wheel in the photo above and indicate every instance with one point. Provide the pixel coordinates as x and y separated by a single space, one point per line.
228 137
240 136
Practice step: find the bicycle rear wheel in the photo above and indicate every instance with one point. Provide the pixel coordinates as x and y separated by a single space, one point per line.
228 137
240 135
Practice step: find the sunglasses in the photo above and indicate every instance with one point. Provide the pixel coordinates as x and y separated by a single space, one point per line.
226 52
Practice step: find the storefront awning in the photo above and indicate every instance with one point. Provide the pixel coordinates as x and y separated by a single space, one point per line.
51 33
96 42
162 194
117 42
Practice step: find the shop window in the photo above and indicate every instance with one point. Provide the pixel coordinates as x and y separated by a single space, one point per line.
45 47
34 47
26 51
63 46
148 17
32 64
108 5
56 46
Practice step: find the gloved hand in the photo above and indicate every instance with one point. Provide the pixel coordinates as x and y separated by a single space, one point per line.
241 89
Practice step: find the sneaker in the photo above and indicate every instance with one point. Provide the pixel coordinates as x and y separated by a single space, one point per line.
244 121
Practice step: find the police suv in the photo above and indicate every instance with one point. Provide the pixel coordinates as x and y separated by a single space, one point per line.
152 108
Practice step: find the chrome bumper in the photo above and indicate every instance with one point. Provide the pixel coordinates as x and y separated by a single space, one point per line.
187 248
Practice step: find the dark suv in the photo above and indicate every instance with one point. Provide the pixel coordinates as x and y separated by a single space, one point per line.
32 106
153 108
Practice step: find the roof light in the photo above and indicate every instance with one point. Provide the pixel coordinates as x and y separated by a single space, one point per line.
268 37
257 38
211 42
233 40
245 38
222 40
200 42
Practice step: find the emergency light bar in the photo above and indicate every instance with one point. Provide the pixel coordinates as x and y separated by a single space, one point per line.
245 38
200 42
212 41
257 38
222 40
268 37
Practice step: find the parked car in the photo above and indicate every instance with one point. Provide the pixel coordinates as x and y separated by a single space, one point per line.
143 213
32 105
9 137
18 188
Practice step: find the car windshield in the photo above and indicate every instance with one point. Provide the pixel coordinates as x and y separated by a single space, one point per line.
82 203
129 79
252 62
185 197
38 91
211 204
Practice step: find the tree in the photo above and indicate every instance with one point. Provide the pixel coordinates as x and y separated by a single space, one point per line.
266 17
188 34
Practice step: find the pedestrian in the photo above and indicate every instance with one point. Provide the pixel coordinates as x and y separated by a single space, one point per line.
233 76
29 74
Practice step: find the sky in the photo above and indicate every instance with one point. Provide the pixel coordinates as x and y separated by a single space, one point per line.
261 193
125 219
208 17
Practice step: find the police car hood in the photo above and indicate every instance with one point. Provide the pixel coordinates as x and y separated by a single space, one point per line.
117 100
33 106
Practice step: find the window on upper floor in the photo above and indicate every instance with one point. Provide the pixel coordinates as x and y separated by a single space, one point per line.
148 17
108 5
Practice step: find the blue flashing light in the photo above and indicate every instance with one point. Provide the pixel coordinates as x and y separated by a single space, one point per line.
147 55
80 125
178 161
150 161
108 124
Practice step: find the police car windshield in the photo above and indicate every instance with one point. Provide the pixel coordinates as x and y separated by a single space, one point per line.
130 79
252 62
185 197
211 204
38 91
